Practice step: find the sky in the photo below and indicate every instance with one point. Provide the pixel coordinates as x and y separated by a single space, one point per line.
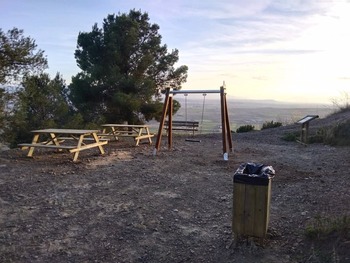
286 50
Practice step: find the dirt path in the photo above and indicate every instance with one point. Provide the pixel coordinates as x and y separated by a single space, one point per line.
131 206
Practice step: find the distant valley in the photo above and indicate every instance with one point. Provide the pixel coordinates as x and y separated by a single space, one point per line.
245 112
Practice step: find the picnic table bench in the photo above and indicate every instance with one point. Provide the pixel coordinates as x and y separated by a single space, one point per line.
183 126
54 138
138 132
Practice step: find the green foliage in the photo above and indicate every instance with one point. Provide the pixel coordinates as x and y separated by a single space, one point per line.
321 227
152 110
320 136
270 124
339 134
41 103
291 137
245 128
124 69
2 108
18 56
327 237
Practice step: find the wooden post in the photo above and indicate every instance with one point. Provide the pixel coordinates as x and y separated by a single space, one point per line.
223 123
304 132
229 134
170 123
162 121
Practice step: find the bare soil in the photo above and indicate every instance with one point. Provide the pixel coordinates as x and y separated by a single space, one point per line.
132 206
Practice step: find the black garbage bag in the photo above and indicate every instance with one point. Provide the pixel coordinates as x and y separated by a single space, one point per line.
254 174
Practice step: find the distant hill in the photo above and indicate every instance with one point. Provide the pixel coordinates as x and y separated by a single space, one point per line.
212 99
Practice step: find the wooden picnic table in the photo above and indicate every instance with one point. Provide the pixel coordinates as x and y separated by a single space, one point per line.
65 139
138 132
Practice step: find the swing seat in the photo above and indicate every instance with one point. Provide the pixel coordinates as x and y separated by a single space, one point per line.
192 140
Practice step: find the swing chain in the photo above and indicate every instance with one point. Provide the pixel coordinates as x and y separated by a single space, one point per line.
201 127
186 106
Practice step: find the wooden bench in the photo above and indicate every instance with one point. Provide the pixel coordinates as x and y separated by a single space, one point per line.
71 148
49 146
183 126
62 139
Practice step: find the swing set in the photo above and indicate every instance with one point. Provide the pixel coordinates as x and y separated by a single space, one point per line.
168 111
186 125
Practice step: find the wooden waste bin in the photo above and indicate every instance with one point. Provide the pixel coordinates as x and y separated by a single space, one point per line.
251 200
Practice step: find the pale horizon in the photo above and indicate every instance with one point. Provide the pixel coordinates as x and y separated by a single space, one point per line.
289 51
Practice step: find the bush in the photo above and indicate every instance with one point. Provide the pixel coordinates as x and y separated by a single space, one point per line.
339 134
326 239
245 128
291 137
271 124
320 136
342 104
321 227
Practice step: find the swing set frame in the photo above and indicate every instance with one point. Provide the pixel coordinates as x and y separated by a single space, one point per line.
168 111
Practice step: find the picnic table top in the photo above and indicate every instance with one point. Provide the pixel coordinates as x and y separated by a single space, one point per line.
65 131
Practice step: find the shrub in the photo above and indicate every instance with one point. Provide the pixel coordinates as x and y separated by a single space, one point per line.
320 228
271 124
326 239
245 128
320 136
291 137
343 103
339 134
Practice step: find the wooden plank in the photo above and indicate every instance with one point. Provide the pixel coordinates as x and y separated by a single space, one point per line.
183 122
238 209
127 135
92 139
261 211
146 136
184 129
87 146
185 125
51 146
251 206
268 205
65 131
249 210
85 139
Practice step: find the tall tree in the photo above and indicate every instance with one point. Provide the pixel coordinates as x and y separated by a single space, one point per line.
41 103
124 69
18 56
